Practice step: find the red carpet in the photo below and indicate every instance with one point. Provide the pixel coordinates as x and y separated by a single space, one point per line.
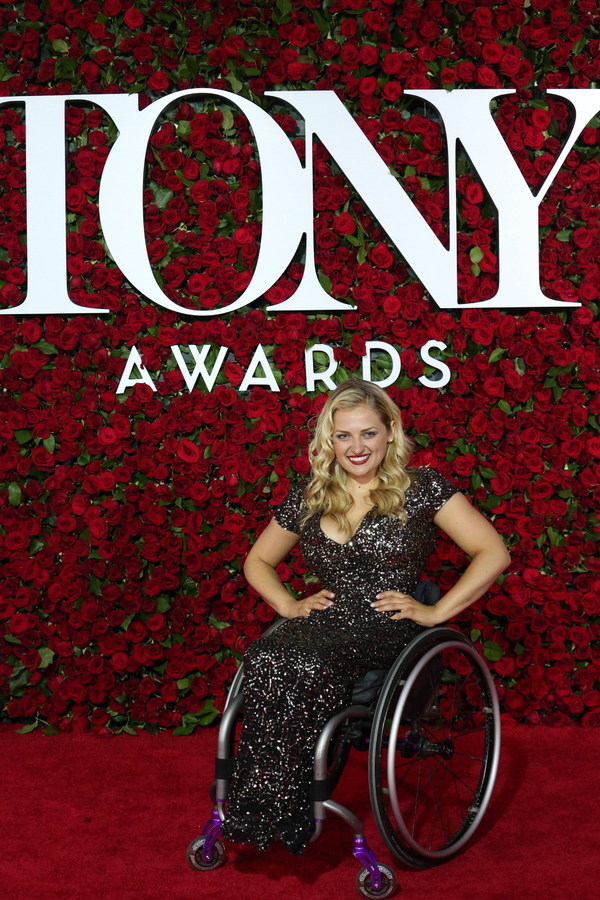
85 818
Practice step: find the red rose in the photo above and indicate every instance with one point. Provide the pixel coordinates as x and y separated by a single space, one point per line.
133 18
486 77
344 224
381 256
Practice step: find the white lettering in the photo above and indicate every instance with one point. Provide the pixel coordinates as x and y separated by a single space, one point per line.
134 360
259 359
430 360
309 362
394 356
287 197
199 356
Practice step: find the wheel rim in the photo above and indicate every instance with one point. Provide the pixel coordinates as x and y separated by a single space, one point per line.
438 763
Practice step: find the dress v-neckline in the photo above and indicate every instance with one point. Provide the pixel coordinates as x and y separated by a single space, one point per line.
352 536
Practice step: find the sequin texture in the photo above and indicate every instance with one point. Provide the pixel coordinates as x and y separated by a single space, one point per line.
295 678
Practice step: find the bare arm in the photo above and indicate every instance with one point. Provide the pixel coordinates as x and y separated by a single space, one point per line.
270 549
489 557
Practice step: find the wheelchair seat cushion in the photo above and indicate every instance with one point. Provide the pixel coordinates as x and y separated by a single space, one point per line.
366 688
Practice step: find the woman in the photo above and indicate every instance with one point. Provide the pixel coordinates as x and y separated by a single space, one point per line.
366 525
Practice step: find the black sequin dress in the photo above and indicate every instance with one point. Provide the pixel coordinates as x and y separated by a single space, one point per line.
295 678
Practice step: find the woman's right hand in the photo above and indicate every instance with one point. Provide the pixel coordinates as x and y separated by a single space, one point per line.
304 607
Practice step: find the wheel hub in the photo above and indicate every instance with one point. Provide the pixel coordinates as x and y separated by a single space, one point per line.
415 744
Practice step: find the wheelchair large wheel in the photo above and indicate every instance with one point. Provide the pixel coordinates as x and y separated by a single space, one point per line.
435 745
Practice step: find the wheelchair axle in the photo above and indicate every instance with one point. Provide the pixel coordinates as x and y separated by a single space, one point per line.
414 744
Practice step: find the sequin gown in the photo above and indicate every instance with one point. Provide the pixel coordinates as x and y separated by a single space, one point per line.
295 678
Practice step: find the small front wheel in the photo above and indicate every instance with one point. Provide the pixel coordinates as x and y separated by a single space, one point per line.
195 856
389 883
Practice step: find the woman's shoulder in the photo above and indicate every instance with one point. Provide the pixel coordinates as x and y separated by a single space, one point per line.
429 490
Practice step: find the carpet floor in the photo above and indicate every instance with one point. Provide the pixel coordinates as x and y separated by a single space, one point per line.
84 818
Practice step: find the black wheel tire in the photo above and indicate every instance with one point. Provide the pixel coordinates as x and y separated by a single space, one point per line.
389 883
452 705
195 858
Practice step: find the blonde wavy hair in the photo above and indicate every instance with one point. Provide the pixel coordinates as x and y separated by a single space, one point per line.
327 494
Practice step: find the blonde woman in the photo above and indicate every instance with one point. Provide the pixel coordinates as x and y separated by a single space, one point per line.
366 524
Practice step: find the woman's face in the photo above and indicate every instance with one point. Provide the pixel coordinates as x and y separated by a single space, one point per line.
360 442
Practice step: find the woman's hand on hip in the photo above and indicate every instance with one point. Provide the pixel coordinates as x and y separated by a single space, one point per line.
406 607
304 607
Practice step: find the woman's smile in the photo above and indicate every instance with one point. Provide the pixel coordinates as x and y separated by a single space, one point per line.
359 460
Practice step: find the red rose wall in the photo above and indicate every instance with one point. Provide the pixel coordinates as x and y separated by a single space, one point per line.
125 519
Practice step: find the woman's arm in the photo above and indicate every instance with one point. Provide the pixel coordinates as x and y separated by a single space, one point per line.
270 549
489 557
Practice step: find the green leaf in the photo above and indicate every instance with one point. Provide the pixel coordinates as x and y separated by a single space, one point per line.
556 538
162 195
321 22
227 119
519 648
216 623
505 407
21 437
162 604
475 633
184 729
64 68
127 621
183 684
46 657
15 494
11 639
128 729
19 679
325 282
496 354
476 255
235 82
492 651
26 729
60 46
51 730
564 235
50 443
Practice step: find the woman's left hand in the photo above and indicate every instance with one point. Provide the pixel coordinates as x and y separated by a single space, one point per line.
406 608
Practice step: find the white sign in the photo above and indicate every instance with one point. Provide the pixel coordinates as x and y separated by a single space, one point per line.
260 360
287 197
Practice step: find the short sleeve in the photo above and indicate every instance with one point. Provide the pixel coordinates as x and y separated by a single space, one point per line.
289 510
431 491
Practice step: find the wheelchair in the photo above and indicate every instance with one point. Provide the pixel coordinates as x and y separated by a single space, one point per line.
431 726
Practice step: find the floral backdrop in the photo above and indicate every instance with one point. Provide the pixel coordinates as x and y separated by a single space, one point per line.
125 519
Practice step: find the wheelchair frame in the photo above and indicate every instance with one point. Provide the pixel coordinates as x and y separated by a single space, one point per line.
433 733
